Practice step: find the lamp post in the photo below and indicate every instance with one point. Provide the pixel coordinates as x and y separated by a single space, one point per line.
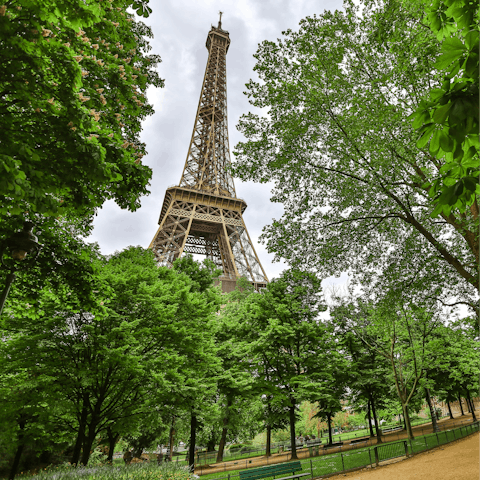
20 246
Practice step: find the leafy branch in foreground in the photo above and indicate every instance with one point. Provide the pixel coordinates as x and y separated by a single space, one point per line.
72 95
448 119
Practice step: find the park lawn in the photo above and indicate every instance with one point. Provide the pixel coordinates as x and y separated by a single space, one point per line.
236 456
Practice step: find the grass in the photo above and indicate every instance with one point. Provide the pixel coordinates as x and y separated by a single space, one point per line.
235 456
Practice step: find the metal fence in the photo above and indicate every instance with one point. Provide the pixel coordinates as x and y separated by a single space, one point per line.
314 446
364 457
255 458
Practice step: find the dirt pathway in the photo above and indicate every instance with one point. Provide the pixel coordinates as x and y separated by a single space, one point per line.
455 461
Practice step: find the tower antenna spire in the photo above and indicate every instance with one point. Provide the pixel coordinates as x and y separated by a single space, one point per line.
220 21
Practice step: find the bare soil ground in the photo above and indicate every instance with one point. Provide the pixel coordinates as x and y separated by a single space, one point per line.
458 460
304 453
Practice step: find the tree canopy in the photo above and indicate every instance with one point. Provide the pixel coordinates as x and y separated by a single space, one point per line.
338 145
72 96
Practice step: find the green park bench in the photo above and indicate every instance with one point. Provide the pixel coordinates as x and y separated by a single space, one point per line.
273 471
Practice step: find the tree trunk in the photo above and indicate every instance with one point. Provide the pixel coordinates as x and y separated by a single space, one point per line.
211 443
112 440
77 449
469 400
16 462
292 431
433 414
450 410
170 439
268 446
18 453
223 438
375 419
329 421
461 407
408 426
193 433
88 443
369 418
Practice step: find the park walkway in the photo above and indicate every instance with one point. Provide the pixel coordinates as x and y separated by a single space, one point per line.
259 461
458 460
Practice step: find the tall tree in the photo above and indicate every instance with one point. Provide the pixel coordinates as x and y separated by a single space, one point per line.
399 331
343 157
367 371
234 382
72 97
286 338
202 364
122 357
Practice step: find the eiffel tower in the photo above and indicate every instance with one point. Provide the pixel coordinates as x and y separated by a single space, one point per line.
202 215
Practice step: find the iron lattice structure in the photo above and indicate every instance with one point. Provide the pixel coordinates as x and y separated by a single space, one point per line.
202 215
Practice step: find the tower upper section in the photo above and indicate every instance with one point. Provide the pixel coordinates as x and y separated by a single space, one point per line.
208 158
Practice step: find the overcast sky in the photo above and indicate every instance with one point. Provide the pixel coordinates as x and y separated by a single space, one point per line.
180 28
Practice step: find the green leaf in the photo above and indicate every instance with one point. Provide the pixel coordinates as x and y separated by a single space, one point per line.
441 113
471 39
453 44
446 142
435 142
420 119
444 60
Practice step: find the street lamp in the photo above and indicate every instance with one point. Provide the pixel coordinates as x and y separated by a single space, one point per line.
20 246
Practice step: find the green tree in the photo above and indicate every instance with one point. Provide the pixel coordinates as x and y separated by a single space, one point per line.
453 369
234 382
121 358
367 371
330 389
72 96
398 331
201 365
286 340
342 154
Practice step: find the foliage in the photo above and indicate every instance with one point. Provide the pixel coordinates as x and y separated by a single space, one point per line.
308 423
108 367
342 154
72 91
284 340
399 331
448 118
65 260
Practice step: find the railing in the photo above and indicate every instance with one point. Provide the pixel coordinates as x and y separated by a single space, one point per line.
390 450
363 456
247 457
